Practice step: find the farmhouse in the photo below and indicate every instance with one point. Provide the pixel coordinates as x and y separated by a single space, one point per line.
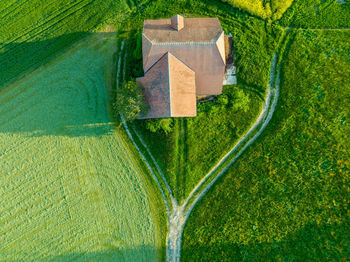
182 58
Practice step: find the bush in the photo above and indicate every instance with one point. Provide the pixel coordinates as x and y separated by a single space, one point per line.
130 101
164 124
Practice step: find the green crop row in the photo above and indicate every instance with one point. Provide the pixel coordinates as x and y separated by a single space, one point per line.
32 32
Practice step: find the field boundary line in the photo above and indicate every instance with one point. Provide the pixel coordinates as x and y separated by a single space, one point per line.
126 127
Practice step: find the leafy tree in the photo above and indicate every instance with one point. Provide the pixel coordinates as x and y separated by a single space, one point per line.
130 101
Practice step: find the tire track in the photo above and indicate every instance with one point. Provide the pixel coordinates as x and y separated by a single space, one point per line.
45 23
180 213
12 6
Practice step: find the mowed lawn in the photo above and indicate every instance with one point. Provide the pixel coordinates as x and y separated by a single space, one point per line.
69 187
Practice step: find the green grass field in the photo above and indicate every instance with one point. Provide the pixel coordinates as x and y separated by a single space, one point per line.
186 154
317 14
74 188
286 198
70 187
273 9
33 32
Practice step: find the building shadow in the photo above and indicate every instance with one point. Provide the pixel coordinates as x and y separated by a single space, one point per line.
51 102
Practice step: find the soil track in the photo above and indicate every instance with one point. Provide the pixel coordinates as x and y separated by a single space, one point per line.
179 214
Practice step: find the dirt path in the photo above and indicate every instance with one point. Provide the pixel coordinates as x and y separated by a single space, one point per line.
179 214
121 70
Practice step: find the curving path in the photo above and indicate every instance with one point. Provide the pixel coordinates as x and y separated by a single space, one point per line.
181 213
177 215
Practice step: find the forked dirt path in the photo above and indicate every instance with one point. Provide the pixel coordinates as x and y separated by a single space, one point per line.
178 214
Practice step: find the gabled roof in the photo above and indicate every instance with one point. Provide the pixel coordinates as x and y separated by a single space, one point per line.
195 30
170 88
199 44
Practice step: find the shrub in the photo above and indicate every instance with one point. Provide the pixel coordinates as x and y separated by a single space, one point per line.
164 124
130 101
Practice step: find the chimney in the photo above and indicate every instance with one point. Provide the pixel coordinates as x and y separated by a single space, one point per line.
177 22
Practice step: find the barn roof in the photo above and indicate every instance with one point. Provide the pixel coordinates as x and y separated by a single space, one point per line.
199 44
170 88
194 30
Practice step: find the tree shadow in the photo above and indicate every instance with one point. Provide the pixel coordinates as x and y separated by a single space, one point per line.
67 96
17 58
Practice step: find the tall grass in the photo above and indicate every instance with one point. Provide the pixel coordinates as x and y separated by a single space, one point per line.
285 198
273 9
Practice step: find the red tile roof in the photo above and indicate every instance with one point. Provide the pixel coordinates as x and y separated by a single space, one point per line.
200 45
192 55
169 88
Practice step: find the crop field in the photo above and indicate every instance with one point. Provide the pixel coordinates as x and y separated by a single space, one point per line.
32 32
286 197
70 187
76 183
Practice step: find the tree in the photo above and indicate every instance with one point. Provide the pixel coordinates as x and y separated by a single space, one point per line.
130 102
164 124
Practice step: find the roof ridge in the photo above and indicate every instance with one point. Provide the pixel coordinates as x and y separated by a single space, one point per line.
180 60
150 50
169 82
184 43
221 37
156 62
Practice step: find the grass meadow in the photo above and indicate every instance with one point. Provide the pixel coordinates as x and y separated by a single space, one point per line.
286 197
317 14
33 32
186 153
70 187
